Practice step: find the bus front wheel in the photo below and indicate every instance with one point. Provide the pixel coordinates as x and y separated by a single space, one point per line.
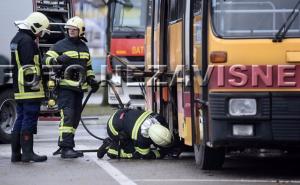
209 158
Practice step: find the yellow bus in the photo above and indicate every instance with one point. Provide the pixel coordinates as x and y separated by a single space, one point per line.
225 74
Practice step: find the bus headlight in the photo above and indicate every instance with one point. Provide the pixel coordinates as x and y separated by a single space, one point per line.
242 107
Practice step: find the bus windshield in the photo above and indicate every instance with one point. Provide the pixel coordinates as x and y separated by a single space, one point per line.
130 15
253 18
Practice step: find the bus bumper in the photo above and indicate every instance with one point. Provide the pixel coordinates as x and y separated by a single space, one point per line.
276 122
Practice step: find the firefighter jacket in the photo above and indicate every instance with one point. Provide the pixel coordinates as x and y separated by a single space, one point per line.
125 125
26 67
78 54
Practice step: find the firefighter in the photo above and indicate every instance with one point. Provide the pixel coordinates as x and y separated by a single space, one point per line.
132 133
72 54
28 87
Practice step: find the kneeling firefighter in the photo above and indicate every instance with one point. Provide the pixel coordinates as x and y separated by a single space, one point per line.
131 134
72 54
28 87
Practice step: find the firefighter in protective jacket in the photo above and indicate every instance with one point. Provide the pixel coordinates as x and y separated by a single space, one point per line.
28 87
72 55
132 133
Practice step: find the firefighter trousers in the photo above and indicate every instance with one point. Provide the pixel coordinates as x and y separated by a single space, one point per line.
70 105
27 117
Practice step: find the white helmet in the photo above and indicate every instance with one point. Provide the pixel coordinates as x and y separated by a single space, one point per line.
76 22
160 135
36 22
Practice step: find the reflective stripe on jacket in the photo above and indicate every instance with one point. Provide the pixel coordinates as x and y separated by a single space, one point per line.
27 75
129 121
78 54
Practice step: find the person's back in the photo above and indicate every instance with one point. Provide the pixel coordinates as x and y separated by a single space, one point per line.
129 135
25 54
28 87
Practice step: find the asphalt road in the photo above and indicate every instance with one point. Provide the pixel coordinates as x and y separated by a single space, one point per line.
92 171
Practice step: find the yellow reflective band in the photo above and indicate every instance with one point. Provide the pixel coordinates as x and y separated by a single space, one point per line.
89 63
62 117
71 83
65 82
84 55
29 95
36 60
52 54
110 125
142 151
17 59
65 129
48 61
21 80
71 54
90 73
156 153
122 153
85 86
34 69
112 151
138 123
20 73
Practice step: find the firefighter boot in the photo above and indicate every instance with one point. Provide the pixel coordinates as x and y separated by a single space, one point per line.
79 153
104 148
15 147
68 152
27 149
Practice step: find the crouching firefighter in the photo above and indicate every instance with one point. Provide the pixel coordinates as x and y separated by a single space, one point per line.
132 133
72 55
28 87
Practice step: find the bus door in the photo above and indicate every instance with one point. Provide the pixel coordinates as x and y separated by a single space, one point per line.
173 92
158 46
197 71
149 96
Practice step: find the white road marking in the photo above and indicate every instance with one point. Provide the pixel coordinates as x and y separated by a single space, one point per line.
220 180
111 170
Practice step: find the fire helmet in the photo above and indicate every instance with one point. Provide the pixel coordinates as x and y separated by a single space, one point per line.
36 22
160 135
78 23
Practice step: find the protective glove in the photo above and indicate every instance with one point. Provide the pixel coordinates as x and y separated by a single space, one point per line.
94 84
61 59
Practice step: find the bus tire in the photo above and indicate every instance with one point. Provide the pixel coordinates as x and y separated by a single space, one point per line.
209 158
8 115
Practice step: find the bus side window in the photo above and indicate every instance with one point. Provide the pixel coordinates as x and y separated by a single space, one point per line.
180 5
157 13
175 10
149 13
172 14
197 7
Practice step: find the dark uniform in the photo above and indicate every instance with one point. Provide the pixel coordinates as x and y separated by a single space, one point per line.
26 62
69 52
124 129
27 68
